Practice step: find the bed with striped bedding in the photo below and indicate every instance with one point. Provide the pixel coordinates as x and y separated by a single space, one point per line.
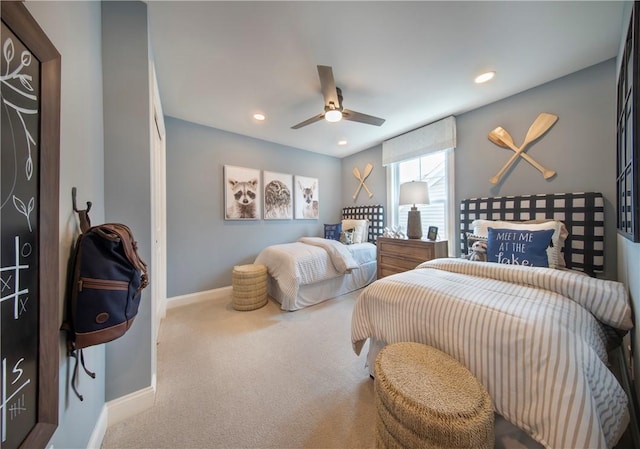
535 337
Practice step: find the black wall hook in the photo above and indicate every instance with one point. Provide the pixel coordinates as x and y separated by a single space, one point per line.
73 198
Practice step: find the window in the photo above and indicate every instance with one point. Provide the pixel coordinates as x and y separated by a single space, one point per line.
436 168
424 154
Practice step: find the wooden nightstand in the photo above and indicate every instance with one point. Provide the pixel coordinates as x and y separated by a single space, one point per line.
398 255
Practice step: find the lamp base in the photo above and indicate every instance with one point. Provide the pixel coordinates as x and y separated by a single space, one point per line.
414 224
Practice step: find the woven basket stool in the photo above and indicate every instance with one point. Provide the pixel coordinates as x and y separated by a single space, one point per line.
426 399
249 287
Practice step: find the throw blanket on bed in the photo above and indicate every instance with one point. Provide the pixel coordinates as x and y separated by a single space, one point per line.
540 354
340 256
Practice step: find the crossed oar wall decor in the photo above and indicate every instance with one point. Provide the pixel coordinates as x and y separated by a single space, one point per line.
361 178
502 138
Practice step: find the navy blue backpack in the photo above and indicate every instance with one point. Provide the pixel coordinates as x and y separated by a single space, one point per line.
106 282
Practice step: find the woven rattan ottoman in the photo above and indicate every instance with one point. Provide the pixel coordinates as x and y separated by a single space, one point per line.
249 286
426 399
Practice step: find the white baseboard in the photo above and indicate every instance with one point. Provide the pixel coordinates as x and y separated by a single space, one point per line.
207 295
130 405
95 441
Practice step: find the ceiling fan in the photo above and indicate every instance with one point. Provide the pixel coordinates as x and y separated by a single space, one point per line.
333 110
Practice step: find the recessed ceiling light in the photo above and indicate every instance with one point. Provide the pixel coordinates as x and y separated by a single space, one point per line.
342 142
259 116
484 77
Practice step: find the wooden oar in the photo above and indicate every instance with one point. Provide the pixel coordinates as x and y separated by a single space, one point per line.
540 125
367 172
356 173
495 138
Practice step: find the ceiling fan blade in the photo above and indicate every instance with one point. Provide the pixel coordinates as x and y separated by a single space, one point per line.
308 121
328 86
362 118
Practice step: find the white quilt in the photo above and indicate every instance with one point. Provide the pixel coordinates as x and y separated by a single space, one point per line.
530 335
311 260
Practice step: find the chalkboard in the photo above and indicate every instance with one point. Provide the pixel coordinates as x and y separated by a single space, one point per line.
28 247
18 224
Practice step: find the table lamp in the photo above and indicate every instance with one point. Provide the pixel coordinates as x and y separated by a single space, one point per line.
414 192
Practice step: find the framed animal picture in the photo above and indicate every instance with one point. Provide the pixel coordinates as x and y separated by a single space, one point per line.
241 193
278 196
307 198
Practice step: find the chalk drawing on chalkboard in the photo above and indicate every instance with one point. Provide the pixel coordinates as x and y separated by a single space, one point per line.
9 80
19 301
12 402
18 407
25 210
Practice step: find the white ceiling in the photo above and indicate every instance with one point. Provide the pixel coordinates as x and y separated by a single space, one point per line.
411 63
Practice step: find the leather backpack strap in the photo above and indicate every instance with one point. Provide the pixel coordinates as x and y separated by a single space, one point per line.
85 221
130 249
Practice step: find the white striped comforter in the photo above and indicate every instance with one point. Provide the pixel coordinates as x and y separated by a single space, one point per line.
300 263
528 334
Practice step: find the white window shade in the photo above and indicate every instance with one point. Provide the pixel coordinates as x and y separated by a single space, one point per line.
437 136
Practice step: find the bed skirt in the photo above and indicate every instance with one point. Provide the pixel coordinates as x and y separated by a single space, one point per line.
318 292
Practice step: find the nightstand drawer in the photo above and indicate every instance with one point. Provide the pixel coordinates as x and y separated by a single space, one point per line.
394 261
420 252
387 271
398 255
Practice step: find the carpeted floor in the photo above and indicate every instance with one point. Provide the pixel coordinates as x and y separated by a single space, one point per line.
263 379
258 379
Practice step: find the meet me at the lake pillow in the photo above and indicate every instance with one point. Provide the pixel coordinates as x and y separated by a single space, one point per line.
554 252
518 247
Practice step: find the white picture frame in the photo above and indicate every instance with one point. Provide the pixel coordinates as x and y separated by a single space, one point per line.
278 195
242 193
307 198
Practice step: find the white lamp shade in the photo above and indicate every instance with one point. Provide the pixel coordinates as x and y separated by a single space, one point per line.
414 192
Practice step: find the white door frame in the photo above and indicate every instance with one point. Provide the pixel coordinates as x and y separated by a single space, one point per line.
158 275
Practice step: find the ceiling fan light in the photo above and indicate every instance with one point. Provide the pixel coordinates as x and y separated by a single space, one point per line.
333 115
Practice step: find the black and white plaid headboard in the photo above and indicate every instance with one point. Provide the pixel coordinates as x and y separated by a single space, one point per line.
582 214
375 215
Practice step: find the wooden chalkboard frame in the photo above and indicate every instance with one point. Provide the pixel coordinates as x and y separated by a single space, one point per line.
16 16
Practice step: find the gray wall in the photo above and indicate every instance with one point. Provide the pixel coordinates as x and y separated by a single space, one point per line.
127 176
581 146
81 165
202 247
629 259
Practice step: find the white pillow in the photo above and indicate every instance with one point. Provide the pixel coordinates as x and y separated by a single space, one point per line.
560 234
361 227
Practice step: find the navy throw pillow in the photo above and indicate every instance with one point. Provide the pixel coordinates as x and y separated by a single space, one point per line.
518 247
332 231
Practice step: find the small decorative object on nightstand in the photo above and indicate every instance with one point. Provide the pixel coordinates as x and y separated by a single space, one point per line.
398 255
414 192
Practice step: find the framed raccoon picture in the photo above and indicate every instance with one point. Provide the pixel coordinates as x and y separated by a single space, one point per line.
278 196
241 193
307 198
